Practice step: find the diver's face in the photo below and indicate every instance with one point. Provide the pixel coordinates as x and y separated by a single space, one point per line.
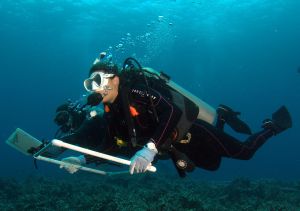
111 91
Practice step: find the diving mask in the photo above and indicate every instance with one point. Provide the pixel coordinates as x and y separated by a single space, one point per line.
97 81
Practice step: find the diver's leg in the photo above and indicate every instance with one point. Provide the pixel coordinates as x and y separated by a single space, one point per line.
220 143
208 145
229 146
234 148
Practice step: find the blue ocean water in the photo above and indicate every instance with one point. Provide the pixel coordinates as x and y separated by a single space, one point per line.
242 53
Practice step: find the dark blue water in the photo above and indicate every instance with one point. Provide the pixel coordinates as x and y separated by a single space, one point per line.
242 53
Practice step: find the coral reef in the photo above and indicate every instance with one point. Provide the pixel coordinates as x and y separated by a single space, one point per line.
146 192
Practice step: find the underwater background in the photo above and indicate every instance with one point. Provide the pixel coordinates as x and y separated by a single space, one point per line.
241 53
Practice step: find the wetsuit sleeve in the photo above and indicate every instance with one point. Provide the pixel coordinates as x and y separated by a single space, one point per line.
167 112
89 135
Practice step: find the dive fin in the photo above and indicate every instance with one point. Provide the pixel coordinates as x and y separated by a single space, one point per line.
282 118
239 126
231 118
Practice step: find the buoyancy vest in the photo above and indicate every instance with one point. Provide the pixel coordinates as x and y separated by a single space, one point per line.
192 107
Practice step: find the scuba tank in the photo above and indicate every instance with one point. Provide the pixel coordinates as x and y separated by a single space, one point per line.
206 112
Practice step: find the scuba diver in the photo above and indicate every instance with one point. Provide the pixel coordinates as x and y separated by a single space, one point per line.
148 119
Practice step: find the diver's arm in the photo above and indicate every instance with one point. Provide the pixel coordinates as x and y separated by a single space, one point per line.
54 151
89 135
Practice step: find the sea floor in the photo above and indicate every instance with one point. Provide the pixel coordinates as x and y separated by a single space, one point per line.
147 192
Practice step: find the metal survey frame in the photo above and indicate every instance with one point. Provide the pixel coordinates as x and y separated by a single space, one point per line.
59 143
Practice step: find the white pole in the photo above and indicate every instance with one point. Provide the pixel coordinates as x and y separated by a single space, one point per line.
60 143
58 162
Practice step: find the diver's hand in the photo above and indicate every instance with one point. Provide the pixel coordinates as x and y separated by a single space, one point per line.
142 159
72 160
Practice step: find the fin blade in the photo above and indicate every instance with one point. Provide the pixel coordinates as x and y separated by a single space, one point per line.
239 126
282 118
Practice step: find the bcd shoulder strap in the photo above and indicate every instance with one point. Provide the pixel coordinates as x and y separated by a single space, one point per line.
126 110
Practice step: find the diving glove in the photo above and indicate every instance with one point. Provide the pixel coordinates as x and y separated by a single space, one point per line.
72 160
143 158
